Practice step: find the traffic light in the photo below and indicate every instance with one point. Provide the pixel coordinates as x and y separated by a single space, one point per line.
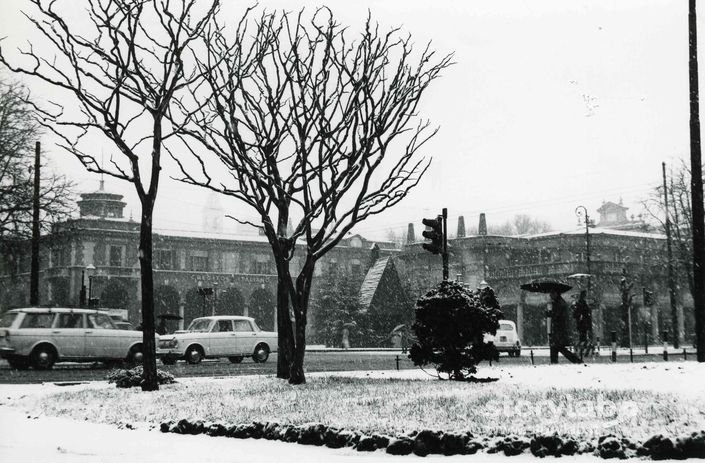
435 234
648 297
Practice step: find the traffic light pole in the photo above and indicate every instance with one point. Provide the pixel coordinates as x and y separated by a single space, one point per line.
445 244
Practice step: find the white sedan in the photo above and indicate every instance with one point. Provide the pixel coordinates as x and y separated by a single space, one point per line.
230 336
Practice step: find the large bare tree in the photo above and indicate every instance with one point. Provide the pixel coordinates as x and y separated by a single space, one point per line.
308 124
121 63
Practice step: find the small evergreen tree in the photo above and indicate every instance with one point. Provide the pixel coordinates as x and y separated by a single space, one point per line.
450 324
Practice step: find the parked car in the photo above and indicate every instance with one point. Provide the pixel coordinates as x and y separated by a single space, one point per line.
40 337
230 336
123 325
506 339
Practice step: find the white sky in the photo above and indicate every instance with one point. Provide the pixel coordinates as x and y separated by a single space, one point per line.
552 104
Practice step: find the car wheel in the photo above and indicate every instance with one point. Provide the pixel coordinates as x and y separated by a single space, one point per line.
43 357
168 360
194 355
235 359
135 356
261 353
19 363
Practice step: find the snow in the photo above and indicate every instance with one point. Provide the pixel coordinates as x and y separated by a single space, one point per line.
27 437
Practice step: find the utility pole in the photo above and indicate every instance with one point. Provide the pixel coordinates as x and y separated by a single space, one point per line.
669 255
696 186
34 272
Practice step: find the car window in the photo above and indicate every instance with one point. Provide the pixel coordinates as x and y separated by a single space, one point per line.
70 320
200 325
223 325
7 319
505 327
242 325
37 320
100 321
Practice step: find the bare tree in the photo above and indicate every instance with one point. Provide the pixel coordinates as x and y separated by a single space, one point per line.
18 132
307 125
681 218
123 70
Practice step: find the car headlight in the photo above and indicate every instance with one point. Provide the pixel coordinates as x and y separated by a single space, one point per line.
168 343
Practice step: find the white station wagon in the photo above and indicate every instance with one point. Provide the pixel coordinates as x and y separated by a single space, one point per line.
40 337
230 336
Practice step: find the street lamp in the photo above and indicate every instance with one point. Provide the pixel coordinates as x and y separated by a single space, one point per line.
215 297
204 292
581 211
90 268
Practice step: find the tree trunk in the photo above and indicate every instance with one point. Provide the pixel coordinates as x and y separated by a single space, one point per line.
284 329
297 362
149 357
300 304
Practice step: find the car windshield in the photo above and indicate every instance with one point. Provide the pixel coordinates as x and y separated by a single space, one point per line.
7 319
199 325
505 327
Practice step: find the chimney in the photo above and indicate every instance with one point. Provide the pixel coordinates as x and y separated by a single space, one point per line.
410 235
461 227
482 227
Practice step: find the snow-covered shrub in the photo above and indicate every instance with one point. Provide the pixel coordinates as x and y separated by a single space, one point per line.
133 377
450 324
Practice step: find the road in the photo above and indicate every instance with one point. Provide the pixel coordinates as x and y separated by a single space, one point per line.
316 361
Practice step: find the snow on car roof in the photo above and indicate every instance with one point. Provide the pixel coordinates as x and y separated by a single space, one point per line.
55 309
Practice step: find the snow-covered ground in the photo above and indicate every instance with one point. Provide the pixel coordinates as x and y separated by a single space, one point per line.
27 436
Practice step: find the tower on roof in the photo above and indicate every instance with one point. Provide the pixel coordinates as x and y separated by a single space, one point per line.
101 204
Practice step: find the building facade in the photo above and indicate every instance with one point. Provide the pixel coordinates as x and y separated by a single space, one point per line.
195 273
201 273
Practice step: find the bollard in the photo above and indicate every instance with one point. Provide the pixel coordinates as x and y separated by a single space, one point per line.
631 355
614 346
665 345
397 363
532 356
685 354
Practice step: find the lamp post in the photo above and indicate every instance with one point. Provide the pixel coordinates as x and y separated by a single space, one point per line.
82 293
90 268
215 297
204 292
581 211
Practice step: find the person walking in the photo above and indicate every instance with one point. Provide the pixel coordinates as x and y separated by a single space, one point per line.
560 329
583 320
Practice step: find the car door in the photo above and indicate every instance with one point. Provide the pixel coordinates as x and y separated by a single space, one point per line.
69 334
102 339
222 339
245 335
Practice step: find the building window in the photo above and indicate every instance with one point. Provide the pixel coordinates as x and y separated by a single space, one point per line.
197 261
261 268
165 259
116 256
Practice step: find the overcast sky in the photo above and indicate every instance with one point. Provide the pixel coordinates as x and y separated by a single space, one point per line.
551 104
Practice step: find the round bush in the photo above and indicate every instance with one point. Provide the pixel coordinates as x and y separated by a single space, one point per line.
450 325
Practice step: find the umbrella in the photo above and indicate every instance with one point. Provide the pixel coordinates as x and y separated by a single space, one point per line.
580 276
169 316
545 285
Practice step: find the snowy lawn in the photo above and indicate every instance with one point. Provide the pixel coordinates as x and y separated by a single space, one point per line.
636 400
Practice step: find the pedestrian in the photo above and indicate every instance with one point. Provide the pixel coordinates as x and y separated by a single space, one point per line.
583 321
559 337
161 328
